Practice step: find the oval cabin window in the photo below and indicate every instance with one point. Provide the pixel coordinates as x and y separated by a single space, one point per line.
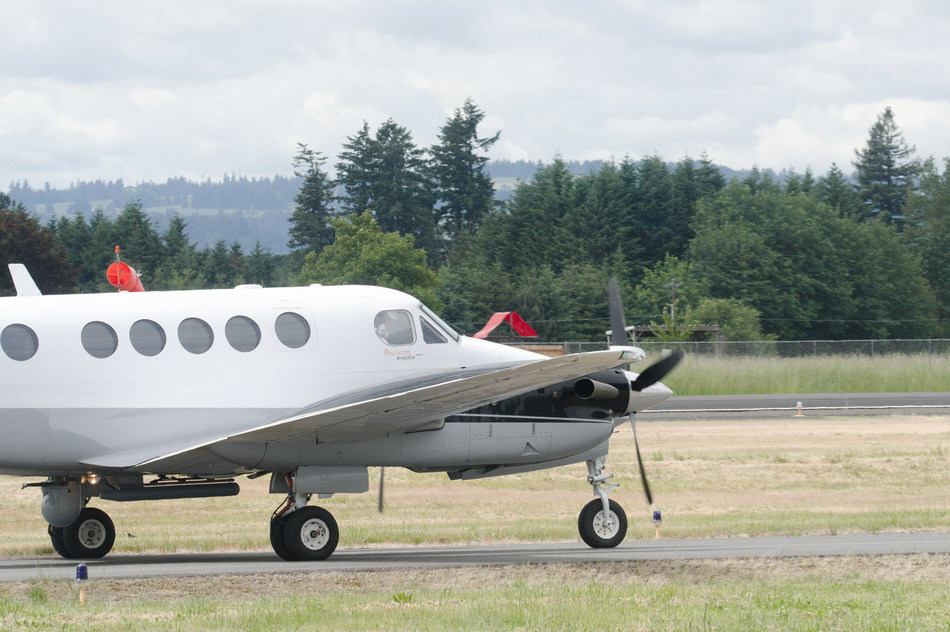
195 335
19 342
292 330
242 333
99 339
148 337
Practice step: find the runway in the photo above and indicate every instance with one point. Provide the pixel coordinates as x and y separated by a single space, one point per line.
200 564
815 405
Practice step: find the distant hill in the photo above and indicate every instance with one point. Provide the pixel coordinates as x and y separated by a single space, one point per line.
236 208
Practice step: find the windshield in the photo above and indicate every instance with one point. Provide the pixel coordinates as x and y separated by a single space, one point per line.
439 322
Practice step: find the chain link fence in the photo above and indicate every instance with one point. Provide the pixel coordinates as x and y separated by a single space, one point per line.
777 348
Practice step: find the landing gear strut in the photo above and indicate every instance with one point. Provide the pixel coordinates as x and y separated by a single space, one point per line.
302 533
602 523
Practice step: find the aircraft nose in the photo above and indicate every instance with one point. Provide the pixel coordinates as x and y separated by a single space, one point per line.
648 397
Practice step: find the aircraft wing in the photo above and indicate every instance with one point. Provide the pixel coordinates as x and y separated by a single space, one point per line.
376 413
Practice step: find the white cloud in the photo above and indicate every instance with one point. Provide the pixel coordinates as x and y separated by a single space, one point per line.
160 89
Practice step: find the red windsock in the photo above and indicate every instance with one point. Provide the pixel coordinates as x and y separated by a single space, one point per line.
123 277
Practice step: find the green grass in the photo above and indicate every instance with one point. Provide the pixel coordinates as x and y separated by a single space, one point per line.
530 601
896 373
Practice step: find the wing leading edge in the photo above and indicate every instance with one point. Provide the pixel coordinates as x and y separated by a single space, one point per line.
376 416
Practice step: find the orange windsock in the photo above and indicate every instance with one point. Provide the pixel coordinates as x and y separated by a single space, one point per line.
124 278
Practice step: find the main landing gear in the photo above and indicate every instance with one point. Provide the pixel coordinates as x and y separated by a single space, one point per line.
90 536
602 523
301 533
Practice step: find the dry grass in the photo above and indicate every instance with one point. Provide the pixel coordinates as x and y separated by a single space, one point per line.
710 479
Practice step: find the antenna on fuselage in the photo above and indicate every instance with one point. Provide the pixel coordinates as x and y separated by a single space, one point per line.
22 281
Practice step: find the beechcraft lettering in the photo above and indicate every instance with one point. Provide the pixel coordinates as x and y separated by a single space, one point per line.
139 395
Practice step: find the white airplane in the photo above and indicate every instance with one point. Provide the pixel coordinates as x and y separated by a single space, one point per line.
155 395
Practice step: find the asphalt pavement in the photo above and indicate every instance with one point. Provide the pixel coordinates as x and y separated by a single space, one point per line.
207 564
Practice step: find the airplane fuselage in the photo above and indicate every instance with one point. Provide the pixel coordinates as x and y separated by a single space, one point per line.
111 372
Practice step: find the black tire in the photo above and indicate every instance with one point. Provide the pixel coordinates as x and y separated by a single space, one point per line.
91 536
59 544
310 534
590 524
277 527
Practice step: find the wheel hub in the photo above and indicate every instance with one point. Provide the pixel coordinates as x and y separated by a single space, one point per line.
92 534
606 529
314 534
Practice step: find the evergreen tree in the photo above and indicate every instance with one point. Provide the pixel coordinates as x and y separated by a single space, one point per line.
599 223
886 170
711 180
260 266
387 174
834 190
310 229
461 183
140 244
653 205
177 269
356 170
219 270
74 234
928 231
533 232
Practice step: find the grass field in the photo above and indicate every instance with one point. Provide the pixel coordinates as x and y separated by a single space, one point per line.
711 479
894 373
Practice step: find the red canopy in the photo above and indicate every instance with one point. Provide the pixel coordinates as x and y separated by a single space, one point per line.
517 323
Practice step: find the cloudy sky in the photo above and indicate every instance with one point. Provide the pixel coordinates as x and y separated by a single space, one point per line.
148 90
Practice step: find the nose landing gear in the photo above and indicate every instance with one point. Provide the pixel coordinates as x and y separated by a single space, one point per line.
602 523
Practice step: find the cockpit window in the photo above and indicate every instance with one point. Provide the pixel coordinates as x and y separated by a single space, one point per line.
431 335
394 327
440 324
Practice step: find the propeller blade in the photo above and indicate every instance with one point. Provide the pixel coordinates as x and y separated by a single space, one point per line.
618 326
379 498
643 472
657 371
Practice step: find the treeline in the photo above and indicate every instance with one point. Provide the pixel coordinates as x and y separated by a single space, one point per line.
71 253
813 257
803 256
232 192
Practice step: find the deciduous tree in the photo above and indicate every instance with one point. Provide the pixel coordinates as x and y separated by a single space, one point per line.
24 240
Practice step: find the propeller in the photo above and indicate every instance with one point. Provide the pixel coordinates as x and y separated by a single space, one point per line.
657 371
618 326
650 376
643 473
